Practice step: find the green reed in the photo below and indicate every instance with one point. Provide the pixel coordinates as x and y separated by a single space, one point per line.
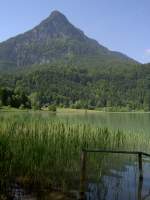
44 152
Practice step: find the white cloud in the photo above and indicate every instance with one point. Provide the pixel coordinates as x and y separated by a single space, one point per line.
147 51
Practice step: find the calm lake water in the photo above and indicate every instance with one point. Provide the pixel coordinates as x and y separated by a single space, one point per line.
130 122
127 122
119 183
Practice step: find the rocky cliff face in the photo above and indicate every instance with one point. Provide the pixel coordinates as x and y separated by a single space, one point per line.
53 39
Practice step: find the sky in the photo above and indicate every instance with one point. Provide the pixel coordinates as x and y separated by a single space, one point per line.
120 25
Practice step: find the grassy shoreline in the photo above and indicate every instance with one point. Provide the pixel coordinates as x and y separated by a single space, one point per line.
68 110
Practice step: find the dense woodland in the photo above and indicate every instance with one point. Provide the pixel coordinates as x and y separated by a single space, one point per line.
125 88
14 98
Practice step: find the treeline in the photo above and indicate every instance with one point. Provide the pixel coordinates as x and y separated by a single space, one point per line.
18 99
112 88
14 98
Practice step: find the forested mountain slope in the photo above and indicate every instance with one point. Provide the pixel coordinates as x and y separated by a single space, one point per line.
84 88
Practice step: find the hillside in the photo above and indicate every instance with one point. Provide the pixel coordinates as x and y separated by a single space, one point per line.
75 87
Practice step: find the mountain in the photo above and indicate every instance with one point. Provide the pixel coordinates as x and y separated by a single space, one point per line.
56 39
56 63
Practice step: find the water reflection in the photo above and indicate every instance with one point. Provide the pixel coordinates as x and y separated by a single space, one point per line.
116 185
16 192
121 185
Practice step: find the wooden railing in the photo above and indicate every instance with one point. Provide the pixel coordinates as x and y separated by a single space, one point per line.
84 164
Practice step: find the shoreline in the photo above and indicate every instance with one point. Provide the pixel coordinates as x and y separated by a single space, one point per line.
72 111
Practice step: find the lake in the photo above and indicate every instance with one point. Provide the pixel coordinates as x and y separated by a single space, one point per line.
130 122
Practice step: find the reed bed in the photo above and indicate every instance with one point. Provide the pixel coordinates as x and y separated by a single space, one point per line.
45 153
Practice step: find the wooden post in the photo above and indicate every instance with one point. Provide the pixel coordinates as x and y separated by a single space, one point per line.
140 166
83 175
140 185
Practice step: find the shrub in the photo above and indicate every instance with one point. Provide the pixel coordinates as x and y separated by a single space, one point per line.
52 108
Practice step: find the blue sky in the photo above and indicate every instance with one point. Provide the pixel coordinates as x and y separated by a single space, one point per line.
120 25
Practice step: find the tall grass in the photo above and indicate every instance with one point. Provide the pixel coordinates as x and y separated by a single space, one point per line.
43 152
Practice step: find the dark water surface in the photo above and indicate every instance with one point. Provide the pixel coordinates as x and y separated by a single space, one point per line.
121 185
117 185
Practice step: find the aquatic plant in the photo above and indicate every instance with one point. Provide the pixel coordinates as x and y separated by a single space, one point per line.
45 153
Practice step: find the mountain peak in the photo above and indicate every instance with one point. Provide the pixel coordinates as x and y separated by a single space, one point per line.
53 39
57 26
55 21
57 15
